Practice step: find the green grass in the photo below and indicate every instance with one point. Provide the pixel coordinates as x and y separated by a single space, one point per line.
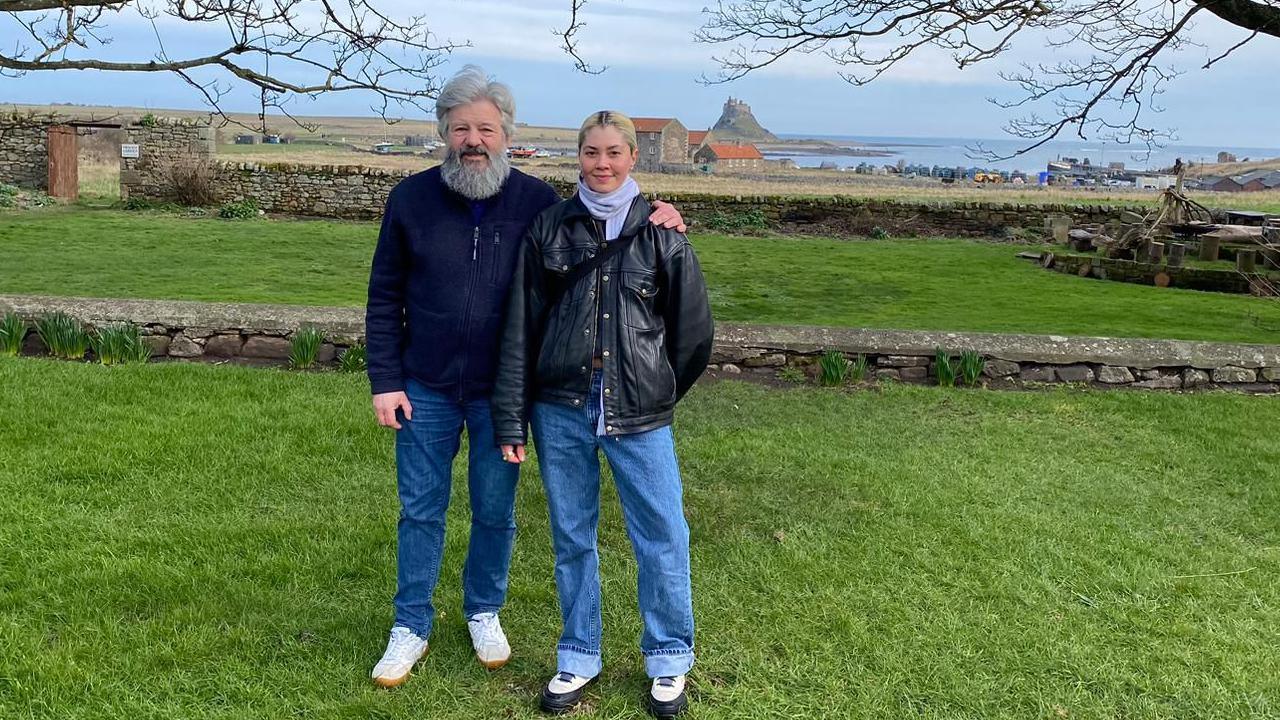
225 549
907 284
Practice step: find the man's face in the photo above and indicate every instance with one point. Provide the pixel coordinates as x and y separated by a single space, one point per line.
475 132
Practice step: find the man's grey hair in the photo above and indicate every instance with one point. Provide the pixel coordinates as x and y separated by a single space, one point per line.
469 85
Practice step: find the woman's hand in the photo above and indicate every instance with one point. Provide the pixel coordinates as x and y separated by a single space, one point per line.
385 406
513 453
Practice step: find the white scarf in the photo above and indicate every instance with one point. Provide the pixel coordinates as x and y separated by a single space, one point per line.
611 207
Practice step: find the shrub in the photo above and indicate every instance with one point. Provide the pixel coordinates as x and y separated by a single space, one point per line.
306 347
148 120
353 359
971 367
239 209
859 371
746 220
834 368
12 331
879 233
945 370
193 183
792 374
8 195
115 344
63 335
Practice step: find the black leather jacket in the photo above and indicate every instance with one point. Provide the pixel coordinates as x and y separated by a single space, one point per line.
648 304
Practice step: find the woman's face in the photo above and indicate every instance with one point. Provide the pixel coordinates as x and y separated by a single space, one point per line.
605 159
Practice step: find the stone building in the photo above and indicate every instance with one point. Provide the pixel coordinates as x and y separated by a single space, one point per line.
698 138
732 157
663 143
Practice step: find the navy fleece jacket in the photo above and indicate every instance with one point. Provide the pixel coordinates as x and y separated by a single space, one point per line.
439 282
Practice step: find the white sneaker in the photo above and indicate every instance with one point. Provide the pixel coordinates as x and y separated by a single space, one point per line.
563 692
403 650
666 697
490 642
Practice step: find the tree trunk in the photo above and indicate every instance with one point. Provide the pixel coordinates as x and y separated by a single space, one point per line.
1247 261
1177 251
1209 247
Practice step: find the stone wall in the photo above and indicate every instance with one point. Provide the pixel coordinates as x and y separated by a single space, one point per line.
262 333
24 154
162 144
324 190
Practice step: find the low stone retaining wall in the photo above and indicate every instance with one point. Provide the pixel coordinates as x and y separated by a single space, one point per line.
261 333
1131 271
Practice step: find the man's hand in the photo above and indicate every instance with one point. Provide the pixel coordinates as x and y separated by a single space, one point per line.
666 215
513 453
385 406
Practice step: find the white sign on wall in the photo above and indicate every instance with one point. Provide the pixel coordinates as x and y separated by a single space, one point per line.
129 150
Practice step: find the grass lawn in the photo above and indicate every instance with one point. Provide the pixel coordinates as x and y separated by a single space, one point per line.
225 549
907 284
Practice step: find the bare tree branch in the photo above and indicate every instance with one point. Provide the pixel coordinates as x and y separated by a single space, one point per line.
570 40
1116 54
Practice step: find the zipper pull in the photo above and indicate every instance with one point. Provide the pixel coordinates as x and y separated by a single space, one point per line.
475 243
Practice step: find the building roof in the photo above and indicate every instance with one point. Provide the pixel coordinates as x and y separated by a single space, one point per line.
1269 178
697 136
735 152
651 125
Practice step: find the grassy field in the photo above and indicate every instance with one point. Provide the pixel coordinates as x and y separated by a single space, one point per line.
225 549
906 284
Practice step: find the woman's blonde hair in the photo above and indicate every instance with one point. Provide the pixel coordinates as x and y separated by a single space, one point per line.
608 118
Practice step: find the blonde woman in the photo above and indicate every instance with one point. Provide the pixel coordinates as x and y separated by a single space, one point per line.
607 327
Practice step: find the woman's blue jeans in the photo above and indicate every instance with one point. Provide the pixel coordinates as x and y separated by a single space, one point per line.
648 482
425 449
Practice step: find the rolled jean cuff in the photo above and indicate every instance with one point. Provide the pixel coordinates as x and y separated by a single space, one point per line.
578 661
668 663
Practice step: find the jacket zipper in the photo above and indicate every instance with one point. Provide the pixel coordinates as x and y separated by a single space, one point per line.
466 315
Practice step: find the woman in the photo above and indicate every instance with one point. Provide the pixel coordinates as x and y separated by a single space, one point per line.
607 327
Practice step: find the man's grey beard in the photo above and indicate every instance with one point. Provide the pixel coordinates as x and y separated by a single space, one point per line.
474 184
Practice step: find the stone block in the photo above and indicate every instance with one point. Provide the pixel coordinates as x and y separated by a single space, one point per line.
1036 373
1166 382
271 348
1000 368
900 361
327 354
223 346
1194 377
1112 375
1232 374
888 374
731 369
771 360
1271 374
159 344
913 374
1074 373
184 347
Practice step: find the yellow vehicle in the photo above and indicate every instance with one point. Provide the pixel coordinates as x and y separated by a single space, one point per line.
988 177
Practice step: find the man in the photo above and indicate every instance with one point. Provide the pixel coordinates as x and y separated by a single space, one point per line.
445 256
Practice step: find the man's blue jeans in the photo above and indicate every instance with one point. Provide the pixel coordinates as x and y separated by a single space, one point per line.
648 481
425 449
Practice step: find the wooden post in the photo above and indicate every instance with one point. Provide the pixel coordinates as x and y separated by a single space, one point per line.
1209 247
64 180
1177 251
1155 252
1247 261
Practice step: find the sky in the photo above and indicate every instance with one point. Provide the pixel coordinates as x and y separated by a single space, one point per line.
654 68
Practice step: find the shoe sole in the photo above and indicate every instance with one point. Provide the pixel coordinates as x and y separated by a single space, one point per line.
395 682
552 707
494 664
668 710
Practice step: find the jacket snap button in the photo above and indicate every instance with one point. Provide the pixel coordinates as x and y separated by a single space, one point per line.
564 267
605 353
577 402
606 316
606 391
606 278
608 428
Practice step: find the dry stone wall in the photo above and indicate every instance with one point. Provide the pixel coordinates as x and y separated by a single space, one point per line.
257 334
24 153
162 144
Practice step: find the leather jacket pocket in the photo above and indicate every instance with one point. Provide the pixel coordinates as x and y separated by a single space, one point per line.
639 296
